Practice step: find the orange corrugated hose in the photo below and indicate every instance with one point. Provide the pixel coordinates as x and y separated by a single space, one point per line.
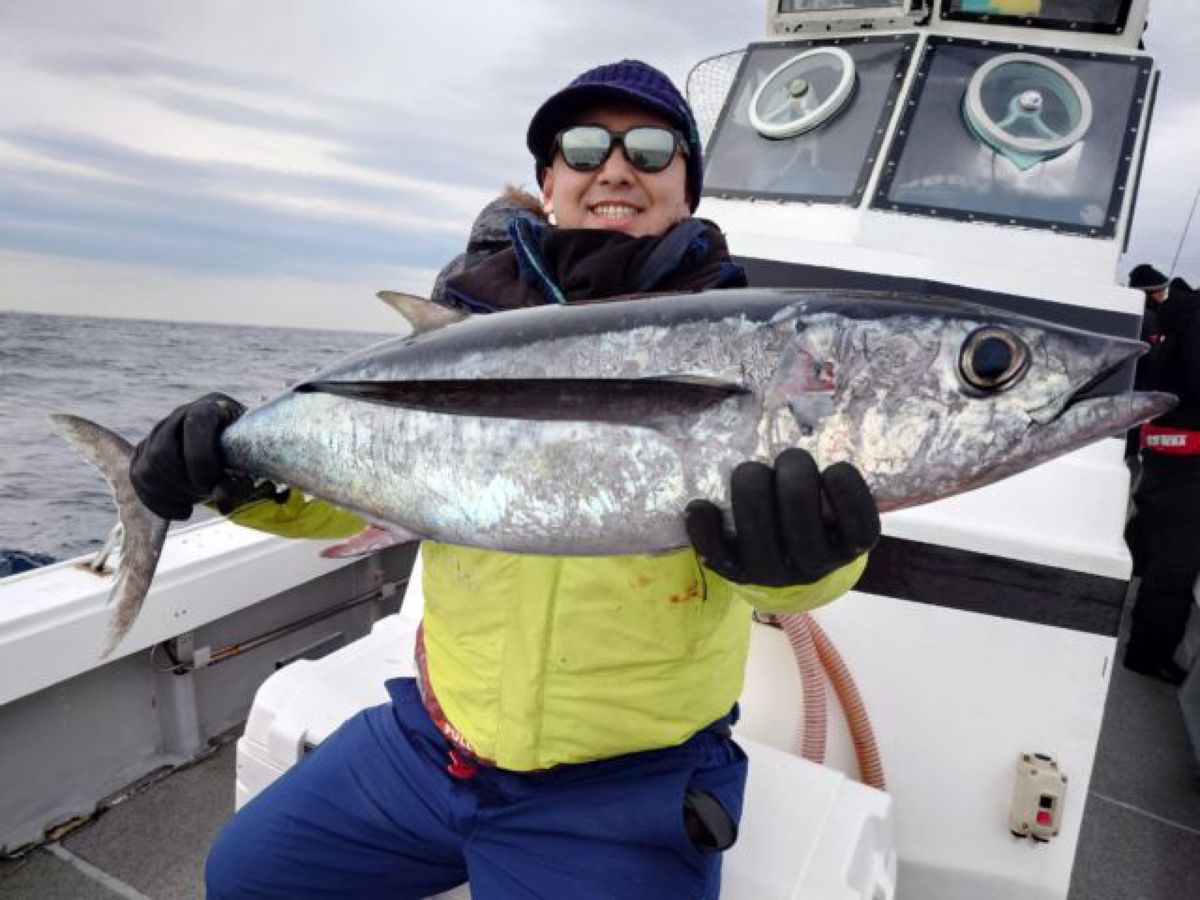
805 636
811 730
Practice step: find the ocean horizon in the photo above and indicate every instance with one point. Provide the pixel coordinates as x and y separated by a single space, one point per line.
125 374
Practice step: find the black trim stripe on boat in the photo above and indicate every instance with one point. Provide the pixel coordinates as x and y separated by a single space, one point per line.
994 586
772 273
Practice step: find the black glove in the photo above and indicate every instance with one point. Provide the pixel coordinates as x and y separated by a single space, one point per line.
181 464
794 524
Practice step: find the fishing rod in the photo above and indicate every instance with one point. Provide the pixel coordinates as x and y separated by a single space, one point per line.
1186 226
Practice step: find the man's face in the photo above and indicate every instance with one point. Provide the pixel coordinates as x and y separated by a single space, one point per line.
1157 296
617 196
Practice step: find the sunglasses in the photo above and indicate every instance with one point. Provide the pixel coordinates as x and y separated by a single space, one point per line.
647 147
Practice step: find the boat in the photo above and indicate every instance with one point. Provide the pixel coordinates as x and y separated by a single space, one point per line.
979 150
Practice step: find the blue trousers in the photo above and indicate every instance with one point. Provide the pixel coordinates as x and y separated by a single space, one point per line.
376 812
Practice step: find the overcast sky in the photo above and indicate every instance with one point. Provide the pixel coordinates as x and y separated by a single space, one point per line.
278 161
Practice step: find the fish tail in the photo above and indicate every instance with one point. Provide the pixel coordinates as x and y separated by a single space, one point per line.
142 532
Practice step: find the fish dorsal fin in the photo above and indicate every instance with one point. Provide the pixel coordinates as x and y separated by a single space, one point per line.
423 315
631 401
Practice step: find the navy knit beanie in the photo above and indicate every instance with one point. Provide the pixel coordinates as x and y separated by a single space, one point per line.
628 81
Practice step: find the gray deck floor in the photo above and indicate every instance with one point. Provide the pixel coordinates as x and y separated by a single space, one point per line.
1141 826
1140 841
152 845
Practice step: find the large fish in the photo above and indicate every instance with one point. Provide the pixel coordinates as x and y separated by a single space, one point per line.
586 429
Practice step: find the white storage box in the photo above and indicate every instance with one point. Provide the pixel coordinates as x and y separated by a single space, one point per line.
305 702
807 831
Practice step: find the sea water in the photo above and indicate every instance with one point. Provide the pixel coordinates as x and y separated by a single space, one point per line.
124 374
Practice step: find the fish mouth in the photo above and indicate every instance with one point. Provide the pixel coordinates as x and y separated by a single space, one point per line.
1090 418
1103 400
1098 408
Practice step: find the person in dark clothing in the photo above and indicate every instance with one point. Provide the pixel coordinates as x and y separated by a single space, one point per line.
1167 496
1153 284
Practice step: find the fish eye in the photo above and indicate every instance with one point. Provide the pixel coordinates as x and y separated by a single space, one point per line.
992 358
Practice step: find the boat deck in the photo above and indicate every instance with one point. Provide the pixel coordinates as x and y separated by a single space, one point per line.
1140 841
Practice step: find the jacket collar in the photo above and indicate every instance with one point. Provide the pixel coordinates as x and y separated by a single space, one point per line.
551 265
587 264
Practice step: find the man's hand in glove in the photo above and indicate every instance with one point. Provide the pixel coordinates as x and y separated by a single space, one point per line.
181 464
792 524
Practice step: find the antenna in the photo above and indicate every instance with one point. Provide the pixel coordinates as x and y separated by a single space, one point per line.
1182 237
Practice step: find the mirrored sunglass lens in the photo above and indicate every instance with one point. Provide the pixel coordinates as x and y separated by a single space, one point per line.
584 147
650 149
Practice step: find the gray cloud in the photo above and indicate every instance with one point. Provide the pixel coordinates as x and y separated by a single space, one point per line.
73 215
445 143
130 62
665 36
137 167
200 106
446 134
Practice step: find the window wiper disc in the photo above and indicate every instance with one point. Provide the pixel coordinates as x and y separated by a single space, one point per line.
1027 108
803 93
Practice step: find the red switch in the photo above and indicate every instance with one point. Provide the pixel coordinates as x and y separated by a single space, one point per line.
1043 817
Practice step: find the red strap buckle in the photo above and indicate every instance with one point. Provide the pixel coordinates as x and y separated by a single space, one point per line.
1172 441
460 766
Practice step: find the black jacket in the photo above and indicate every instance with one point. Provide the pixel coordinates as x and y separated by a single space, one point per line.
1173 365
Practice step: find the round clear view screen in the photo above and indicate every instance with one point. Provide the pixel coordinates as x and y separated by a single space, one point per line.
1022 104
802 93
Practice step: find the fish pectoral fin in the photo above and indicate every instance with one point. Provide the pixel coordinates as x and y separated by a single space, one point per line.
629 401
369 540
421 314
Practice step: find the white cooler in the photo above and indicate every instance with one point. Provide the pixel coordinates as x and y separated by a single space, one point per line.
807 831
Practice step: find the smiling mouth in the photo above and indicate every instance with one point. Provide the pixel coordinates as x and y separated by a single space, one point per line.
614 210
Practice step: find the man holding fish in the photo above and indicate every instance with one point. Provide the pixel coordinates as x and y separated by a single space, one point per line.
592 484
569 734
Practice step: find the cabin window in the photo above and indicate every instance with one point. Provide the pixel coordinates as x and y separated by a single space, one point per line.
1017 135
1104 16
805 119
800 6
